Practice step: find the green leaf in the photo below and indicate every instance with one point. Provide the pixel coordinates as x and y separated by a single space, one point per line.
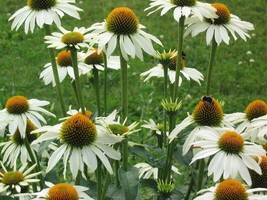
183 160
130 182
52 177
6 198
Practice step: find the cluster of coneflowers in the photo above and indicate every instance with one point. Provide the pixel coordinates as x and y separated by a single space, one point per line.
228 148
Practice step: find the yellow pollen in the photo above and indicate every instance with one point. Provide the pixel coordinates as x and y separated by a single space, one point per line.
64 58
95 58
62 191
231 142
17 105
16 137
78 131
223 13
182 3
230 189
256 109
12 178
118 129
72 38
208 112
122 21
260 181
41 4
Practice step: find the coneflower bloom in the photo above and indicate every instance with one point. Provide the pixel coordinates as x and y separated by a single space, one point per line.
207 114
246 121
95 59
78 38
183 8
18 109
220 27
122 28
17 181
188 73
64 67
259 180
81 145
231 155
112 125
43 12
62 191
231 189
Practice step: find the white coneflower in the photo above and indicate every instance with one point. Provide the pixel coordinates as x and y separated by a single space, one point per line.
122 28
220 27
43 12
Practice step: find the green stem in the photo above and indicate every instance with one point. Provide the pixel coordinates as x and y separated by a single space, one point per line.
55 72
117 166
105 187
124 90
99 180
97 92
74 62
211 64
200 174
105 83
179 55
34 159
190 187
78 178
73 83
165 70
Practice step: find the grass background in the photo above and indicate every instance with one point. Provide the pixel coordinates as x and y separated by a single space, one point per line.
23 56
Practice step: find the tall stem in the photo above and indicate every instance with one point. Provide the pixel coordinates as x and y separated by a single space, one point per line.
74 62
99 180
105 83
165 70
211 65
124 90
179 55
97 92
55 72
34 159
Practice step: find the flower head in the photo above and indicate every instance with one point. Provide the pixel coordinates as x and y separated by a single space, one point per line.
78 38
81 144
17 181
64 67
183 8
169 60
43 12
220 27
207 114
122 27
253 121
260 180
62 191
15 148
232 155
230 189
18 109
95 59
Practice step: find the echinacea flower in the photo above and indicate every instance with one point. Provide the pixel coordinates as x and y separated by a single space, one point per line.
95 59
111 125
81 145
230 154
155 128
43 12
17 181
78 38
123 28
246 121
183 8
146 170
15 149
18 109
64 67
62 191
231 189
220 27
207 114
188 73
